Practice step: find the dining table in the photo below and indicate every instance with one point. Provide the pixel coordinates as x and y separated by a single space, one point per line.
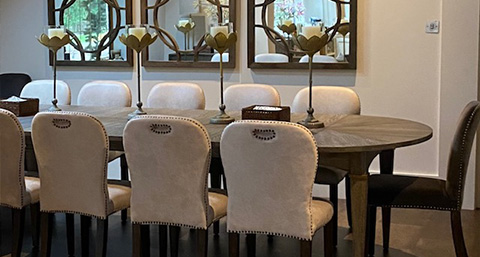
349 142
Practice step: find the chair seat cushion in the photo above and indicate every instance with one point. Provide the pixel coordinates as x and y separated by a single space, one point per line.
327 175
409 192
218 206
119 198
32 186
112 155
322 213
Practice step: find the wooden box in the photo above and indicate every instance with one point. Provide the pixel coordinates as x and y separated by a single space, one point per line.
263 112
25 108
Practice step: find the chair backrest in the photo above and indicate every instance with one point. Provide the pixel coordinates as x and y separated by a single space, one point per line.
168 158
12 155
271 58
318 59
216 57
72 155
11 84
328 100
105 93
243 95
43 89
460 151
176 95
270 168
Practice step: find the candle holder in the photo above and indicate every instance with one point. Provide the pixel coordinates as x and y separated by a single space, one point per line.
221 43
343 29
138 39
310 46
289 30
54 39
185 28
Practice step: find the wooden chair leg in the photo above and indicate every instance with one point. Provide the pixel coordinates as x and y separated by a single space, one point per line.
305 248
334 200
233 245
102 236
70 220
457 232
348 198
85 222
371 226
46 234
251 245
18 224
270 238
174 238
202 242
141 240
35 220
386 216
216 228
329 235
163 240
123 176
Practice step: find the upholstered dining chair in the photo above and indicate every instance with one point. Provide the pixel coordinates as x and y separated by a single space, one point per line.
318 59
169 158
270 168
17 191
243 95
330 100
176 95
72 156
11 84
394 191
43 89
271 58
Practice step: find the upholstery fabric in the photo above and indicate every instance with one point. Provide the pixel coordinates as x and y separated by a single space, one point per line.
328 100
216 57
176 95
43 89
329 175
72 151
105 93
270 169
244 95
11 84
217 206
318 58
271 58
32 186
169 158
322 213
119 197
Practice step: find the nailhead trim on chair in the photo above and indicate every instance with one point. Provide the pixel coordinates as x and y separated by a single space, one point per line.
256 133
161 129
61 123
418 207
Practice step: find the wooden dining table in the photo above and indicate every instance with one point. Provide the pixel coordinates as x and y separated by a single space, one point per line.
349 142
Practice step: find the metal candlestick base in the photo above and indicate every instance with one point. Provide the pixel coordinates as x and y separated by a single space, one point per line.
137 112
311 122
222 117
54 108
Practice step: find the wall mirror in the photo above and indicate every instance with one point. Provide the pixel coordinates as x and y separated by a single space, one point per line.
94 27
181 26
273 23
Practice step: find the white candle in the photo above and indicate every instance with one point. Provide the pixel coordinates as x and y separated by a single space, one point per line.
287 22
310 31
60 33
182 23
219 29
137 32
344 21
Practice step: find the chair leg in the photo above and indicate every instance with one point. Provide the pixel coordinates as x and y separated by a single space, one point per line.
46 234
174 238
329 235
216 228
371 226
233 244
457 232
202 242
35 219
102 236
141 240
85 222
386 216
305 248
163 238
123 176
70 219
348 198
334 200
18 221
251 245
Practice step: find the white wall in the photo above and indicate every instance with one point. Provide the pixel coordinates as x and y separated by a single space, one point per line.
402 72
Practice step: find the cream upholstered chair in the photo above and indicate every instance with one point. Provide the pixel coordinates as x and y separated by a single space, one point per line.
176 95
271 58
169 159
318 59
270 168
43 89
72 157
330 100
105 93
243 95
17 191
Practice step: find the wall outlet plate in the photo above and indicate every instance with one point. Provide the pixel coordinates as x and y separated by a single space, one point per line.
432 27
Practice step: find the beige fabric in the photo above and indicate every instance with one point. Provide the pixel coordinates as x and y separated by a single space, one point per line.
218 206
169 158
176 95
112 155
322 213
271 58
105 93
119 197
270 169
318 59
32 186
244 95
328 100
43 89
72 151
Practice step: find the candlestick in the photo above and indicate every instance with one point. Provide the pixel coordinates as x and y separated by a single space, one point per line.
137 32
310 31
219 29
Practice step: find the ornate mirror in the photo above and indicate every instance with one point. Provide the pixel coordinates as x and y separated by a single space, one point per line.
181 26
94 27
272 24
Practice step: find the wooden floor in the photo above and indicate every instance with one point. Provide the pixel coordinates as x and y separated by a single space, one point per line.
414 233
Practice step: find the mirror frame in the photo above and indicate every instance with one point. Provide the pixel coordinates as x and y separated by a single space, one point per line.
67 3
352 57
232 5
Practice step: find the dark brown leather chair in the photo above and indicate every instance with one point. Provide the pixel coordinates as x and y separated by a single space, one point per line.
11 84
391 191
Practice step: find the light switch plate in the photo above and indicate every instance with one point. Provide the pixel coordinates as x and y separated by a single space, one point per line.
432 27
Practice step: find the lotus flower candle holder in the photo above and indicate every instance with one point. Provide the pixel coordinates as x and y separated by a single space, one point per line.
138 39
289 29
310 46
185 26
54 39
220 41
343 29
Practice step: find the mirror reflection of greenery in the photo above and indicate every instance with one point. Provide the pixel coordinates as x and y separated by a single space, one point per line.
293 10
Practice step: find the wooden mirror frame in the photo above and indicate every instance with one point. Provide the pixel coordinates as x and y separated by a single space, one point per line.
188 64
113 30
352 57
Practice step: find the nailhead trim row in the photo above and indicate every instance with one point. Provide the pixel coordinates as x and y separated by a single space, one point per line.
161 129
256 133
62 123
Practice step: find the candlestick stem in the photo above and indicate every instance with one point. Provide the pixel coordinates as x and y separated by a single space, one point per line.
139 110
311 122
222 117
54 101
